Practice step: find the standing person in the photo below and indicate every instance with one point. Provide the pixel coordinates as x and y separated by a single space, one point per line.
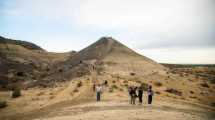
130 93
98 92
150 94
94 87
140 94
133 95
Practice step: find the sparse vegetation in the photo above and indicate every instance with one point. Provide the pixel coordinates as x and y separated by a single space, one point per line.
213 104
157 92
205 85
79 84
132 74
3 104
16 92
114 86
20 74
120 89
126 85
110 90
60 70
158 84
76 90
174 91
125 81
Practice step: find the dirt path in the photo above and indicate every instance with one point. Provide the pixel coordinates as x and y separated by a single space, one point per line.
124 111
84 107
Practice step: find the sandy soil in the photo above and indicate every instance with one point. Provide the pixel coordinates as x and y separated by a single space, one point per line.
124 111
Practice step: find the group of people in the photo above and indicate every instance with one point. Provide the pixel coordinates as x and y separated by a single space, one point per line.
134 92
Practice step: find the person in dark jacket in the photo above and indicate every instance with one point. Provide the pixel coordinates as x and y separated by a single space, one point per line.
133 95
150 94
140 94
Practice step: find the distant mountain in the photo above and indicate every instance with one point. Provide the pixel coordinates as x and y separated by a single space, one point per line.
107 55
25 44
109 50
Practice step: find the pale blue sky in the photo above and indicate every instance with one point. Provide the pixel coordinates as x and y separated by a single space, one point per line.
171 31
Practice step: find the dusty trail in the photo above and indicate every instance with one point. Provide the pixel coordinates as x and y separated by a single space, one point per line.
84 107
86 95
124 111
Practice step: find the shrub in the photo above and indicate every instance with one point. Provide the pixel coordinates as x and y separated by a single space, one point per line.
60 70
204 85
121 89
20 74
158 84
157 92
114 87
3 104
16 92
125 81
76 90
174 91
212 81
213 104
110 90
79 84
132 74
191 92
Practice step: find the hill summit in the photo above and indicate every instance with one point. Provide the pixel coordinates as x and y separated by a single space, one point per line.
111 56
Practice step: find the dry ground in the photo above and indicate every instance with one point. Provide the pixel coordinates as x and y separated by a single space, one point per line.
69 101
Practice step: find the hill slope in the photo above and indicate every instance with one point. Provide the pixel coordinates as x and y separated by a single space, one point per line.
24 62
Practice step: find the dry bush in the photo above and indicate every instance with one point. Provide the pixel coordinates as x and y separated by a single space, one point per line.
60 70
114 86
3 104
158 84
213 104
157 92
212 80
193 97
125 81
16 92
191 92
20 74
111 90
51 97
132 74
121 89
174 91
205 85
126 85
75 90
79 84
113 81
40 93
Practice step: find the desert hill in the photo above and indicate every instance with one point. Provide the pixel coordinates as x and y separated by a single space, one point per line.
24 44
105 56
56 81
24 62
